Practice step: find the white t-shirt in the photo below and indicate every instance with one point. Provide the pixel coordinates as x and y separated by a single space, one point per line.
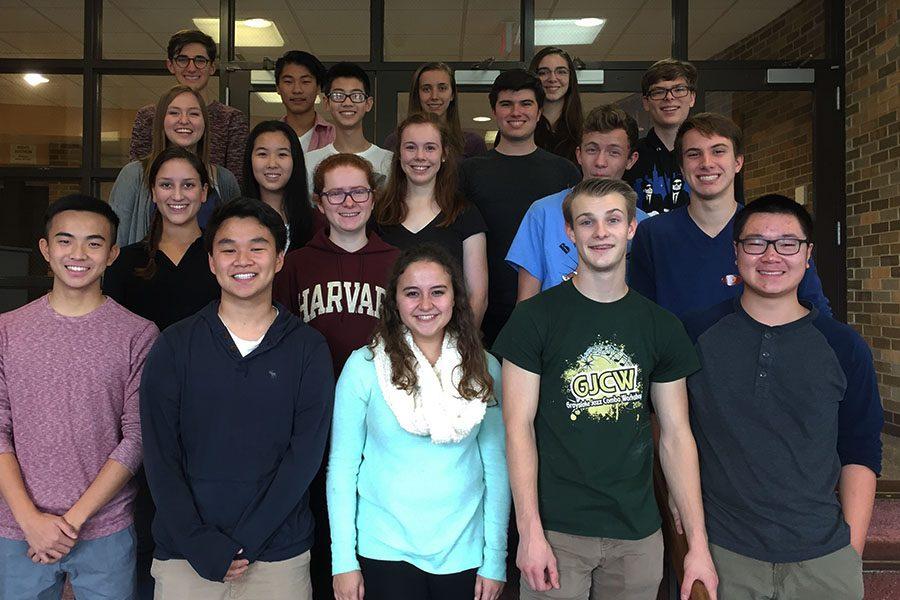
305 139
379 157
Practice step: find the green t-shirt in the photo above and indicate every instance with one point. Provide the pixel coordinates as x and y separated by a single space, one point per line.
595 447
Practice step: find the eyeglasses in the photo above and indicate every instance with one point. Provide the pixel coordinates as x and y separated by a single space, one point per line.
358 195
182 60
660 93
558 71
783 246
355 97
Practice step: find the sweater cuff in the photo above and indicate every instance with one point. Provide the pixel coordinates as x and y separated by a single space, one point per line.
493 567
342 562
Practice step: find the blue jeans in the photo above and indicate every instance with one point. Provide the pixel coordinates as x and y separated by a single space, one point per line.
99 569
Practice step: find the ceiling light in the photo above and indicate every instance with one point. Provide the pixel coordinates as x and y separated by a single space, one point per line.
567 32
35 79
256 35
275 98
481 119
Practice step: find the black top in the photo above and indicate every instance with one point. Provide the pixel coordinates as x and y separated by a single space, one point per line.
502 188
656 177
558 141
174 292
450 237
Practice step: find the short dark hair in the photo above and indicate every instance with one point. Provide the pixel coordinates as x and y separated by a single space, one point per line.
608 117
668 69
246 208
83 203
710 124
516 80
182 38
347 69
304 59
775 204
597 187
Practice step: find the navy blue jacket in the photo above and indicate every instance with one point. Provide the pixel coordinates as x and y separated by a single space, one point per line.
232 443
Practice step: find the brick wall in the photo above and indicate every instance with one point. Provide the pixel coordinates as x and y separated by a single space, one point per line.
873 188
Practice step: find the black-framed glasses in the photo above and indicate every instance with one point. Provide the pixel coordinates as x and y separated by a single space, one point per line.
355 97
783 246
558 71
359 195
183 60
678 91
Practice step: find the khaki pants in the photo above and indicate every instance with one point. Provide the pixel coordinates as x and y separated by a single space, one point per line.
603 568
835 576
282 580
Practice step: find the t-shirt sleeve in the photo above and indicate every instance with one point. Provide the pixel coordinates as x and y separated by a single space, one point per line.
470 222
860 416
676 357
521 339
526 248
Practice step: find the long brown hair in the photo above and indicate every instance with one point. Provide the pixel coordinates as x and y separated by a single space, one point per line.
572 114
475 381
390 203
154 235
415 104
158 135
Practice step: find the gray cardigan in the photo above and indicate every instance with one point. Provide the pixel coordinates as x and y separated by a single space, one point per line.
131 200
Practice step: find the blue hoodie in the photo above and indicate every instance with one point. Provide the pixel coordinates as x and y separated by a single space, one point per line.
232 443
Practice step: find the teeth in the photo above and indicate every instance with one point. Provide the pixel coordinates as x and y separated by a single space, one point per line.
349 215
178 206
76 268
244 276
708 177
425 317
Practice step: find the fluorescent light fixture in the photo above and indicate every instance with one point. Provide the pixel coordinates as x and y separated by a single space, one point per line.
481 119
34 79
567 32
110 136
475 77
490 137
262 33
594 76
274 98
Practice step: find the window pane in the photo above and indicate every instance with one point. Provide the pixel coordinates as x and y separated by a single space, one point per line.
756 30
139 29
778 141
451 30
120 98
333 30
41 123
629 30
265 106
42 29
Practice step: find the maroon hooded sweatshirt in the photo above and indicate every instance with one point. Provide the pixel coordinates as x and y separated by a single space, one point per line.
337 292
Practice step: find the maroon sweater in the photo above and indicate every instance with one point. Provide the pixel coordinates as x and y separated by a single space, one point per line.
227 130
337 292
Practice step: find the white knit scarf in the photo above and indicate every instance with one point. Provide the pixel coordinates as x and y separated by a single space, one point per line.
436 409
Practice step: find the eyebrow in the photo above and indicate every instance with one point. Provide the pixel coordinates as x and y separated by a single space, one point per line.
93 236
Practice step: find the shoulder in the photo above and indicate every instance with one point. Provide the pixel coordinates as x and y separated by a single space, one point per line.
316 156
133 169
145 113
493 366
846 342
359 364
126 319
698 323
553 202
24 314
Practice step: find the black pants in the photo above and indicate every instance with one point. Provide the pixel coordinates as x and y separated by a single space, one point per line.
395 580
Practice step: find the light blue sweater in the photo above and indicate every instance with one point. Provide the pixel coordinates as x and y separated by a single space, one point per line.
394 495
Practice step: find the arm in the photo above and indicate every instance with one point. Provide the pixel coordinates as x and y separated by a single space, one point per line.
857 492
125 459
678 456
141 143
228 185
535 557
491 442
208 550
528 286
475 269
123 198
811 290
300 463
238 130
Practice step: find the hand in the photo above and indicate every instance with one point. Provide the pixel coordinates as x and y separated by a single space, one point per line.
349 586
538 564
676 516
698 566
50 537
41 559
237 569
487 589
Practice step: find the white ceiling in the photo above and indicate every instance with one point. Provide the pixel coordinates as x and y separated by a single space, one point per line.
452 30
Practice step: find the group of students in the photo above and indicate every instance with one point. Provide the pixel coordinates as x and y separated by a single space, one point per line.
319 417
